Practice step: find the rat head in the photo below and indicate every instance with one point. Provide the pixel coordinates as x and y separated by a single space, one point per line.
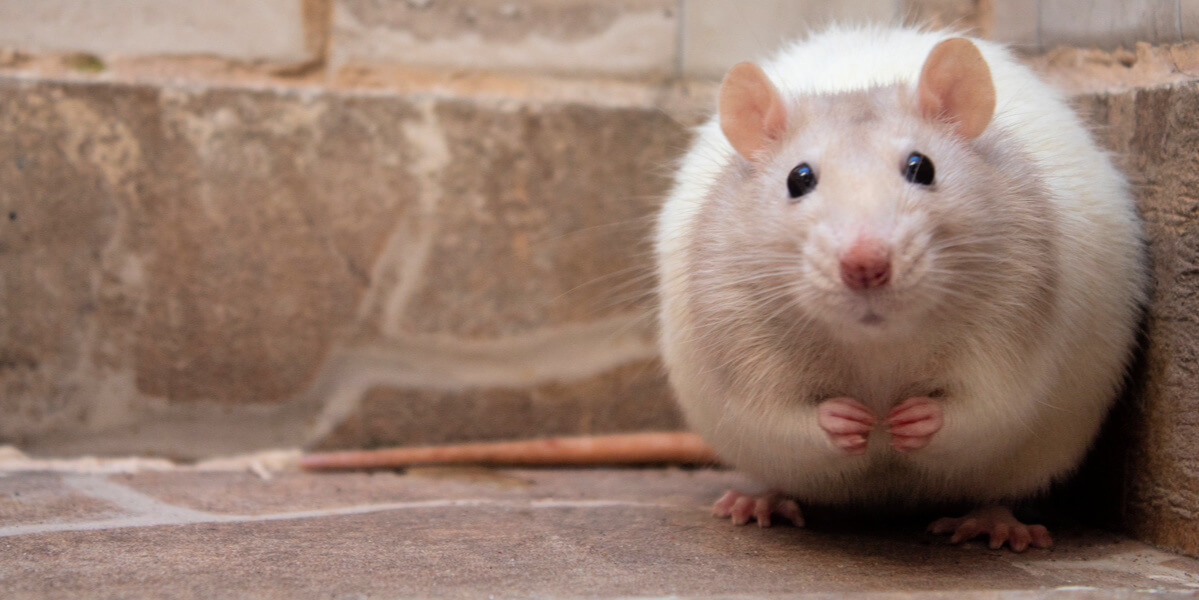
864 210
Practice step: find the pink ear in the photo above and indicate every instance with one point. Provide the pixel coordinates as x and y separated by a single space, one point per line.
751 110
955 86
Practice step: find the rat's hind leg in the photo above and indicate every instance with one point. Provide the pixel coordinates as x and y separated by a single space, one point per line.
999 523
742 507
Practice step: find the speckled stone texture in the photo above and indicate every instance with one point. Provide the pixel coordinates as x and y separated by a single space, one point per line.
1156 135
474 533
190 258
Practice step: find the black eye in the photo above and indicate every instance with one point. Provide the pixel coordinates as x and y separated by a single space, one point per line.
801 180
918 169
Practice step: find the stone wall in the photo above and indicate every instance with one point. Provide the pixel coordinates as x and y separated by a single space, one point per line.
198 270
1153 441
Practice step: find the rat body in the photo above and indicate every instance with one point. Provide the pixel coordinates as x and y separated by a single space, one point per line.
895 270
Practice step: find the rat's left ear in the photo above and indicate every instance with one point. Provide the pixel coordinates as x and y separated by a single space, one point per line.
751 110
956 86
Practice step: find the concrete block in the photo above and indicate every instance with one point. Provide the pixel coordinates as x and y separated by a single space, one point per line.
272 30
629 38
1156 134
182 261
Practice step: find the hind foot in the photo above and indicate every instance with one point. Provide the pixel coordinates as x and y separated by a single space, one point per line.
999 523
743 507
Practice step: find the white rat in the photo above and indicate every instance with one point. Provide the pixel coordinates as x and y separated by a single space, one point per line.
896 270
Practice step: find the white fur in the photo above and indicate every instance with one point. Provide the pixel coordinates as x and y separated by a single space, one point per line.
1040 410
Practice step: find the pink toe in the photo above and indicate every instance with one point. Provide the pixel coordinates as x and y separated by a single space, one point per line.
846 408
1020 539
790 510
966 531
1040 536
742 509
915 409
762 509
724 505
840 426
999 535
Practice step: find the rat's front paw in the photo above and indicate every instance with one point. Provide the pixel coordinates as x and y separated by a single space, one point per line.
847 423
913 423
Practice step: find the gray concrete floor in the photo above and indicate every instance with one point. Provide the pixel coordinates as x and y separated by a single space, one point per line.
462 533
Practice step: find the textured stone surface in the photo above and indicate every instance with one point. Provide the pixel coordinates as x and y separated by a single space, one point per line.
522 533
260 250
41 497
529 194
261 30
167 251
626 37
1088 71
183 242
1156 132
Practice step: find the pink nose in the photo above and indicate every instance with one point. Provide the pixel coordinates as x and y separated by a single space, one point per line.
866 264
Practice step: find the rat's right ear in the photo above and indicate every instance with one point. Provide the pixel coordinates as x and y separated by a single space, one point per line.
751 109
956 86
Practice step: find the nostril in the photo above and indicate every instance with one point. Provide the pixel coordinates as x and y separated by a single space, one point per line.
861 276
865 266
